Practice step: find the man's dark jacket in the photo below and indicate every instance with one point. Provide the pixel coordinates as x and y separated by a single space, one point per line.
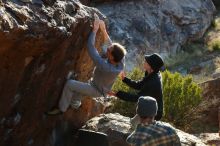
150 85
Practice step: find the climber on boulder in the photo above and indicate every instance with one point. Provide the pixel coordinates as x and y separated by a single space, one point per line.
105 72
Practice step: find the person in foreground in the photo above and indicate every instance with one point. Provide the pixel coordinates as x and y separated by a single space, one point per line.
105 72
150 132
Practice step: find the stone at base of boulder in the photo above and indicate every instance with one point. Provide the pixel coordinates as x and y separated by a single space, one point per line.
117 127
210 138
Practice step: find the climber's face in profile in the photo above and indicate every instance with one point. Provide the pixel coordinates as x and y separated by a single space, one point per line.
115 53
109 55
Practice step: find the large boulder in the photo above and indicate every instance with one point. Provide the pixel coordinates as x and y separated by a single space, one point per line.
117 127
89 2
211 88
210 138
207 111
163 26
40 42
206 116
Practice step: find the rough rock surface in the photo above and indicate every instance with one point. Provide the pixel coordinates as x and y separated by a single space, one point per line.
207 112
92 2
117 128
40 42
216 74
216 2
211 89
162 26
210 138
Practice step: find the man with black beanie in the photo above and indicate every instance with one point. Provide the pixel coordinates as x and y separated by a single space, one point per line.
150 85
150 132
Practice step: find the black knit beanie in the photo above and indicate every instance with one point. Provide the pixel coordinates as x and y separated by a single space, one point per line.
147 106
155 61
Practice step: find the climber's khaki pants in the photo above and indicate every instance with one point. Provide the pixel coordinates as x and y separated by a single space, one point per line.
73 93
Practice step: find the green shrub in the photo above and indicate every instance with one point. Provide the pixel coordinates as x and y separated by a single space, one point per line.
181 95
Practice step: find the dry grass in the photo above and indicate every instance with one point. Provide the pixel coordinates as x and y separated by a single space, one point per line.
216 23
194 50
214 44
213 35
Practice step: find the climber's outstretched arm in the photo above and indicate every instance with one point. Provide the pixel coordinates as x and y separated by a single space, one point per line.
104 31
93 53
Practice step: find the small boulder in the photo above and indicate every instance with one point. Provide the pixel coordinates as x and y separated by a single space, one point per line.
118 127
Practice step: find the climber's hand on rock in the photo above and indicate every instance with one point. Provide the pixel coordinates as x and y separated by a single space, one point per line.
96 23
111 93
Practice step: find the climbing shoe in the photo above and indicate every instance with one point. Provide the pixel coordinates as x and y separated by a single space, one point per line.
75 104
54 111
71 76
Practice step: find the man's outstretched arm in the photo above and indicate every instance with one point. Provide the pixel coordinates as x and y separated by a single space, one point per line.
93 53
125 96
131 83
134 84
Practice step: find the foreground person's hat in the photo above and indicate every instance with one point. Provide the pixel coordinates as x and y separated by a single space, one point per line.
147 106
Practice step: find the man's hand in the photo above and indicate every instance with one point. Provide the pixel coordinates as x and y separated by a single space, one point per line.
122 75
96 23
111 93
